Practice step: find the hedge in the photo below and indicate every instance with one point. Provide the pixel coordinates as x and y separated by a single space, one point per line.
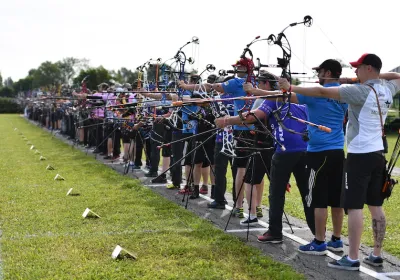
8 105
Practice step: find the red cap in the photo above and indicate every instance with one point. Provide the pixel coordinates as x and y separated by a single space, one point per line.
368 59
359 61
241 62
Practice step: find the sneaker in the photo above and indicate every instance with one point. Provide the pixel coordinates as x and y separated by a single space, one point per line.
374 261
212 192
172 186
335 246
267 237
249 221
151 174
216 205
107 157
313 248
345 264
185 190
135 167
259 212
160 180
115 157
204 189
238 212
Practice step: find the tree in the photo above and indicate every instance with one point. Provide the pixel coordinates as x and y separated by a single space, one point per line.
8 82
23 84
96 76
344 65
69 66
7 92
1 81
296 82
47 74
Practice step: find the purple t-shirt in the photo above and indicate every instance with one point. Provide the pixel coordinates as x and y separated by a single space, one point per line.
292 142
99 111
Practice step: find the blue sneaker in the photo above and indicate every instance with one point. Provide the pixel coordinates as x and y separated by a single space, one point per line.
335 246
345 264
374 261
313 248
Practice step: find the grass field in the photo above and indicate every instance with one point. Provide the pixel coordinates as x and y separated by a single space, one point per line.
45 237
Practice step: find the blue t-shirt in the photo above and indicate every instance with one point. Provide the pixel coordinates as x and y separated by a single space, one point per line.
191 126
235 88
327 112
292 142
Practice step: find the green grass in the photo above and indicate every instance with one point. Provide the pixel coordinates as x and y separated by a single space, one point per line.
45 237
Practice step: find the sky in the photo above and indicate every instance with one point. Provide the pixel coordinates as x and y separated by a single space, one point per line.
126 33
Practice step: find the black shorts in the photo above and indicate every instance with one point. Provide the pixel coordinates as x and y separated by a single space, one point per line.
262 167
198 155
242 155
209 147
109 130
325 173
166 151
363 180
127 136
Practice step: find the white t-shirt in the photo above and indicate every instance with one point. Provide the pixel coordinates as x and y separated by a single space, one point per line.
364 130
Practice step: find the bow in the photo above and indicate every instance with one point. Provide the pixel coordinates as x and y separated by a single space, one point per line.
284 62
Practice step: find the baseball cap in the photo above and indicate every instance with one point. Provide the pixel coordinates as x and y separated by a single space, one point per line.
265 76
368 59
332 65
241 62
211 78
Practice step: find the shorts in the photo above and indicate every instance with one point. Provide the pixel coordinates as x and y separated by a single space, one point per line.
127 136
209 147
198 154
166 151
363 180
325 173
242 155
262 167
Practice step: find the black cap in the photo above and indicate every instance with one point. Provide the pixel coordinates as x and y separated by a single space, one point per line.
265 76
211 78
332 65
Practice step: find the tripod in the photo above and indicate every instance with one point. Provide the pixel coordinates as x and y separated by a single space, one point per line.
251 160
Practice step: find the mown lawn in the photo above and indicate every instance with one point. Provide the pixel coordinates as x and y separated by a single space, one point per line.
45 237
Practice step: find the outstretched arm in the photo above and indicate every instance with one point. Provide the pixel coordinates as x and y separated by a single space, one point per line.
331 92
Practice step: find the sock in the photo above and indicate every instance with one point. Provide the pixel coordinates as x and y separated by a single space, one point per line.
319 242
348 258
372 254
253 216
334 238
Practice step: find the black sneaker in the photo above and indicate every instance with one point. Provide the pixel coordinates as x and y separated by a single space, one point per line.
216 205
107 157
267 237
374 261
151 174
249 221
160 180
212 192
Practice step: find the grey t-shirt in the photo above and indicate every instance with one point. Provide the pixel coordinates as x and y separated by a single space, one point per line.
364 130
